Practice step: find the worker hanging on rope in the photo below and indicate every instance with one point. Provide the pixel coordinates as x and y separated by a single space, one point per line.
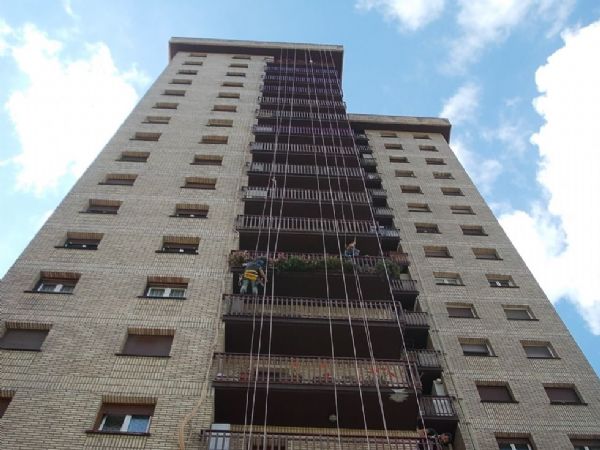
254 275
351 250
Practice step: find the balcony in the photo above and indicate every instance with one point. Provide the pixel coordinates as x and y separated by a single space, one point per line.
291 80
312 177
332 73
301 326
303 116
322 439
314 234
327 132
332 93
439 413
303 103
308 384
303 274
287 62
307 153
309 203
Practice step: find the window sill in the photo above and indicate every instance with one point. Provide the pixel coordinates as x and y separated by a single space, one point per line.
99 213
477 355
198 187
188 217
74 248
438 256
505 287
114 184
462 317
205 164
142 356
449 284
543 357
117 433
51 293
569 403
162 298
21 349
524 320
176 253
512 402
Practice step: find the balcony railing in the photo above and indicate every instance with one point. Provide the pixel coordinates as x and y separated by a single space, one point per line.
269 147
307 195
274 78
321 308
302 70
314 225
439 407
299 370
301 169
315 262
301 102
302 131
383 211
401 285
288 91
287 62
300 115
229 440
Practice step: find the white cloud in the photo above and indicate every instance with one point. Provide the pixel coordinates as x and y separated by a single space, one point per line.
462 106
409 14
560 243
68 109
485 22
484 172
68 7
511 133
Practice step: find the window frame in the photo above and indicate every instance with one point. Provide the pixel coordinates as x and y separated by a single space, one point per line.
572 389
168 289
484 344
506 388
470 308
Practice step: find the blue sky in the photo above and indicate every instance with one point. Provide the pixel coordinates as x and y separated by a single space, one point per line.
517 78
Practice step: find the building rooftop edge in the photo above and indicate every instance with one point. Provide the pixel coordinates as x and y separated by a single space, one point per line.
402 123
264 48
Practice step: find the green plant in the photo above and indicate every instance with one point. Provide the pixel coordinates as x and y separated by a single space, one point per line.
393 269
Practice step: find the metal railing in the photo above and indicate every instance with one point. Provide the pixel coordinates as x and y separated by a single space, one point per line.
309 195
300 63
239 440
383 211
273 78
301 131
308 148
314 225
301 70
300 115
301 102
319 371
303 169
438 406
290 91
404 285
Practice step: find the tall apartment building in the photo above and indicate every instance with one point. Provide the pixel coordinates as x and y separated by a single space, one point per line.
123 325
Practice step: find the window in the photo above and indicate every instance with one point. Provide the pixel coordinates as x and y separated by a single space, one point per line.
421 136
461 209
97 206
4 402
232 84
405 173
473 230
23 337
141 342
436 252
238 65
514 444
200 183
180 81
82 241
191 210
124 418
499 393
391 146
120 179
443 176
435 161
212 139
502 281
398 159
586 444
187 72
486 253
197 55
235 74
518 312
57 282
241 57
476 347
180 244
141 157
428 148
388 134
207 160
410 189
225 108
162 120
192 63
165 105
563 395
418 207
463 311
538 350
166 287
456 192
229 95
427 228
144 136
220 122
447 278
174 92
